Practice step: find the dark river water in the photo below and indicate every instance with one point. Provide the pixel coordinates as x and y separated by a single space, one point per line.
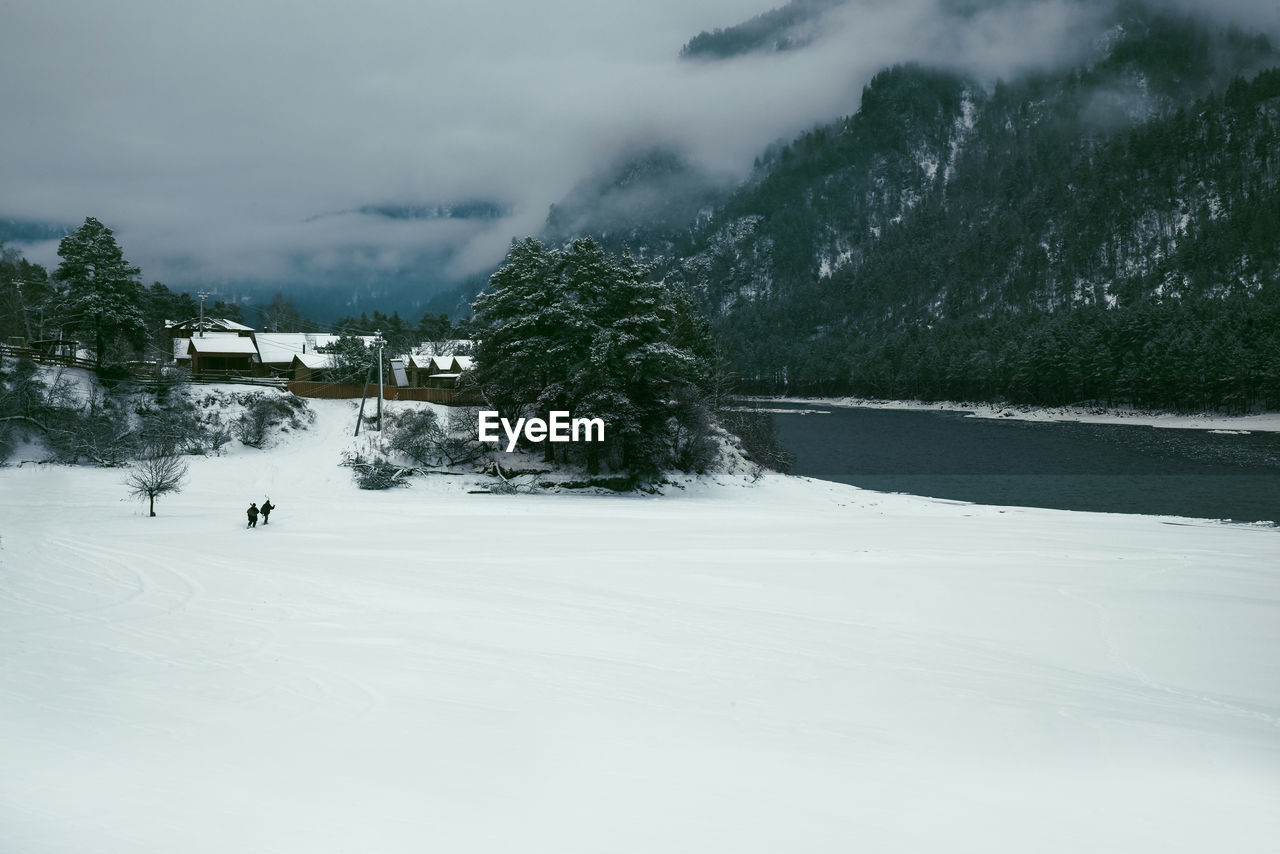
1103 467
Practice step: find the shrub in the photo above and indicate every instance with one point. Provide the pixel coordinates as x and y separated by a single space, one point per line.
262 412
377 472
693 448
174 428
758 437
419 435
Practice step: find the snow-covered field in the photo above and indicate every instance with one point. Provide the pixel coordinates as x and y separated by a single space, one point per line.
785 666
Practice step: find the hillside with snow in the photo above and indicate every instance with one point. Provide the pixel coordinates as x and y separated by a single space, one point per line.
1102 232
732 666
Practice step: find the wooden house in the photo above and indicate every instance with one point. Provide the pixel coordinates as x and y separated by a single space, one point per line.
416 368
445 371
311 367
277 349
221 353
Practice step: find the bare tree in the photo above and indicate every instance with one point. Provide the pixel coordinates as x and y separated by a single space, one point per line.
156 475
419 435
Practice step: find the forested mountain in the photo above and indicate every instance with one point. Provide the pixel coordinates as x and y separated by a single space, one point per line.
785 28
1109 232
645 200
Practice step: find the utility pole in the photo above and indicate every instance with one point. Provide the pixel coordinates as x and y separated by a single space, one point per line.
379 343
363 394
26 321
202 295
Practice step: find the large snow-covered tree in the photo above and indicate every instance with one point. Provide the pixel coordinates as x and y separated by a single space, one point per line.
581 330
100 291
527 328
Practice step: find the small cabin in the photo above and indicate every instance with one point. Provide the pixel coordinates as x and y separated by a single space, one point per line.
222 353
277 349
435 371
311 367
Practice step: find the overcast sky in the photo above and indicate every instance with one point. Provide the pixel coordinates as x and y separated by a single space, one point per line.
208 135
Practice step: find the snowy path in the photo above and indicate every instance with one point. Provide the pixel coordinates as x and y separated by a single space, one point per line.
791 666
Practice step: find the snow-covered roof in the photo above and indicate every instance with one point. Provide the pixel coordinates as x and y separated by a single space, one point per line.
447 376
221 323
445 362
281 347
329 340
315 361
322 339
181 348
441 348
223 342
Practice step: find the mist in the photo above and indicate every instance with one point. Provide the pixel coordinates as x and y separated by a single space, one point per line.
213 139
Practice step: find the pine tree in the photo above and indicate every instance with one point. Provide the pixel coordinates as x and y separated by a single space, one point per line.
524 318
101 292
580 330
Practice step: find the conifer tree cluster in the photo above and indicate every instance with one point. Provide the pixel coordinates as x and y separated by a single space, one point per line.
580 330
101 294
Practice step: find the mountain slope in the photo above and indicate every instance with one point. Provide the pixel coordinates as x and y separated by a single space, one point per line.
788 27
953 239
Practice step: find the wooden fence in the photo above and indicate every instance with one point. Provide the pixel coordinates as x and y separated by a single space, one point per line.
143 372
447 396
44 358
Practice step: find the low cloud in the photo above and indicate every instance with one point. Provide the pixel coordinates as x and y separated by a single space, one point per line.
211 138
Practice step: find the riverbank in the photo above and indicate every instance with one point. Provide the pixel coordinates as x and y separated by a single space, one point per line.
1265 422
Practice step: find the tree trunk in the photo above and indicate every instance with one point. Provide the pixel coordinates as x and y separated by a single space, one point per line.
153 504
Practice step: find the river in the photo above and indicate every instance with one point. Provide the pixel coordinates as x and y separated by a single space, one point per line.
1069 466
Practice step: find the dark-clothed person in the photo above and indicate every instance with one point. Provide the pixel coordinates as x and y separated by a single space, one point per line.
253 515
267 507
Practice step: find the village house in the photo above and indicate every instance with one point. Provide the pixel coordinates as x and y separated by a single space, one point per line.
446 371
311 367
222 353
416 367
434 364
296 356
277 349
435 371
195 326
181 332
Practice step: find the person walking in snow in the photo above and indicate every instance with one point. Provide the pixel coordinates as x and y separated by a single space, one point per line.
267 507
253 515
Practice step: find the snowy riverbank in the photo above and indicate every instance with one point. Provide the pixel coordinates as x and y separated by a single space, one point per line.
1268 421
786 665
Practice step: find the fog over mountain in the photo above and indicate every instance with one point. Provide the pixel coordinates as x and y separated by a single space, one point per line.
394 148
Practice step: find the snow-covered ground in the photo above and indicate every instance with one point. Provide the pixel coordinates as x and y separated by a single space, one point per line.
1268 421
784 666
